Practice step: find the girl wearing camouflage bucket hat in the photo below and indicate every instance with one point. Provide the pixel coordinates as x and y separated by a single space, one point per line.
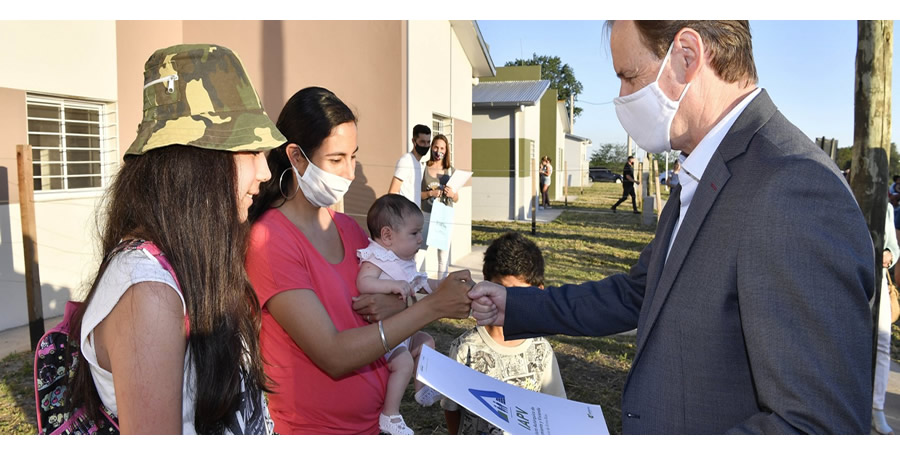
177 351
323 349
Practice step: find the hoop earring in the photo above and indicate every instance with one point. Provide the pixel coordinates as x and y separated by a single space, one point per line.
280 179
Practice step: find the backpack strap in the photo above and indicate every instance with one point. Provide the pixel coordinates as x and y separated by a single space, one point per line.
154 251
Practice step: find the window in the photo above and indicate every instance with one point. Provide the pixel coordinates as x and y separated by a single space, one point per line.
69 140
443 125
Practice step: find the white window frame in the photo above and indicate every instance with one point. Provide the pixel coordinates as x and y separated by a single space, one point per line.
106 125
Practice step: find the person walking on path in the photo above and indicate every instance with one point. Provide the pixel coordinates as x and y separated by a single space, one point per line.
628 183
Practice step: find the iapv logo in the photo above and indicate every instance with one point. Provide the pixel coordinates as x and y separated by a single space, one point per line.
495 401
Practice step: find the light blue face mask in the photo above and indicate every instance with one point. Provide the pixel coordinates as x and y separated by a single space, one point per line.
321 188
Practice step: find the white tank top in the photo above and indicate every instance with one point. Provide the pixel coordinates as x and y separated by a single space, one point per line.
128 268
133 266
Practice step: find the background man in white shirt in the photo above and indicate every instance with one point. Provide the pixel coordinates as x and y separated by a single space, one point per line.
407 179
408 171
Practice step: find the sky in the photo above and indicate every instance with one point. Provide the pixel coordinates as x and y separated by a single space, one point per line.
806 66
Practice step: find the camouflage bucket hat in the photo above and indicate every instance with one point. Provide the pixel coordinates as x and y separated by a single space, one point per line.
200 95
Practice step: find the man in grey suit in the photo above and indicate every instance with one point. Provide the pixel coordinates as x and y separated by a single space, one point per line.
751 302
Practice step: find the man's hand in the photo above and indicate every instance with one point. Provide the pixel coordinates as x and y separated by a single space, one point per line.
488 303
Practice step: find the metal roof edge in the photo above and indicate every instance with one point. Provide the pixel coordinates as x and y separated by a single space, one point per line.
472 43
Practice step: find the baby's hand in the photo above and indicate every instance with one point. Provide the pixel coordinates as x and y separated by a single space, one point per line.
401 288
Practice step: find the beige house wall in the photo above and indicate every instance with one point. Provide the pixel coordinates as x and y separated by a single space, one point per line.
576 155
376 67
136 40
72 58
360 61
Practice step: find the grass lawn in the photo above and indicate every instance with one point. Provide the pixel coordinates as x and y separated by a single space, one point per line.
587 242
17 394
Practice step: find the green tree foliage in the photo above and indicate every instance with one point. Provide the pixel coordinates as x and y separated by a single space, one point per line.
845 155
609 155
561 76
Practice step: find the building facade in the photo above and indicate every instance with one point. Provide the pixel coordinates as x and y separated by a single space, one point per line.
73 93
506 136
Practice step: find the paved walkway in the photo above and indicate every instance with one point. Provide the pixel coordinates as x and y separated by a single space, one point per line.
17 340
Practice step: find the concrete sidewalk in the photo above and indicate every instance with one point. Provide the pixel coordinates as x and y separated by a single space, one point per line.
18 339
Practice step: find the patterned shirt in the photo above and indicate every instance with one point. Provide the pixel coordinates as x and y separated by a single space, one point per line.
530 365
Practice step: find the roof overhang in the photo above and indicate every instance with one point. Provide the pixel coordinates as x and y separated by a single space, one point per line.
502 104
476 49
577 138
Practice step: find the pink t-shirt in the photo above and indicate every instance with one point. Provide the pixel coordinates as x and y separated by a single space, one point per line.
307 400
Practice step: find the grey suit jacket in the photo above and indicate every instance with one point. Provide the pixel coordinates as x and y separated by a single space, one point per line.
759 320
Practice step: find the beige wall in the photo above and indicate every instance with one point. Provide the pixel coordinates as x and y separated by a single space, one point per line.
460 82
559 174
578 168
136 40
13 131
72 58
529 125
492 125
462 235
360 61
429 70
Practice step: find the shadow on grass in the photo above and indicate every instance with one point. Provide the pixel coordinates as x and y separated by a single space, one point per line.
17 408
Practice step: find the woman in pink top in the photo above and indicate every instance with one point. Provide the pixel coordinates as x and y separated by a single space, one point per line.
324 357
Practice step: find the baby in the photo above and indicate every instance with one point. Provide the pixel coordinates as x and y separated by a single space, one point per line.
388 266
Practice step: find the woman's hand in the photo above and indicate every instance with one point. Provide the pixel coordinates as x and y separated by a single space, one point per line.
448 192
450 299
434 193
886 259
375 307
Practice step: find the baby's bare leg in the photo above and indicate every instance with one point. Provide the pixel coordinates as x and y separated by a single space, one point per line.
401 366
415 348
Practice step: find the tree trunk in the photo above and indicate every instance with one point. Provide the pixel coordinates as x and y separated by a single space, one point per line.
872 137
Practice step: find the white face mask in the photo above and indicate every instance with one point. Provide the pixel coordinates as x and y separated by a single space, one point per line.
647 114
321 188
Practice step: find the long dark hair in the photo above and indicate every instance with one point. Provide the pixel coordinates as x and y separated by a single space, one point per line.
184 200
306 120
445 163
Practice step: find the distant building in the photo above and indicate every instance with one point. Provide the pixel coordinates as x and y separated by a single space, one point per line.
577 159
506 134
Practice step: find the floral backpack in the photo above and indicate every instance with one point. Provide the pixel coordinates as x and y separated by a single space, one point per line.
56 357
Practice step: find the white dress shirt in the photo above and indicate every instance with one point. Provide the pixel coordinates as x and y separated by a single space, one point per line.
695 164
